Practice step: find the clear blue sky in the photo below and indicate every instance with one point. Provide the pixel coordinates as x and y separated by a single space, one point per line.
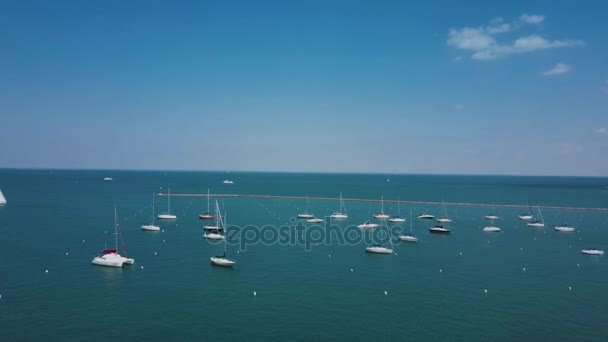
485 87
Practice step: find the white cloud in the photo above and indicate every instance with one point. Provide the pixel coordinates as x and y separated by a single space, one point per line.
533 19
481 41
557 69
601 130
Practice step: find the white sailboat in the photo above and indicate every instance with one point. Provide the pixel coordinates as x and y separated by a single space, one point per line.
315 220
367 225
151 227
341 213
206 215
306 215
444 218
110 257
526 216
2 198
107 179
381 215
426 217
398 218
226 181
222 260
409 237
167 215
491 229
592 251
212 231
379 249
537 223
564 228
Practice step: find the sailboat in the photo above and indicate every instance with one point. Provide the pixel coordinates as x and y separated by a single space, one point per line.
564 228
315 220
397 218
444 218
151 226
110 257
226 181
381 215
2 198
426 217
212 231
409 237
592 251
206 215
537 223
341 213
306 214
222 260
168 215
492 216
379 249
367 225
527 216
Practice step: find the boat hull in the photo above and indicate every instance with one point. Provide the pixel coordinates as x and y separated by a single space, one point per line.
305 216
408 238
166 217
492 229
491 217
339 216
436 230
221 261
213 236
564 229
396 219
426 217
536 225
592 252
444 220
525 217
381 216
150 228
206 217
315 220
112 260
379 250
368 226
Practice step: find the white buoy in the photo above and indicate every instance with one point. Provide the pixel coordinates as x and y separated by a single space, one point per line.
255 293
351 270
521 248
440 270
524 269
82 241
460 253
578 265
385 293
164 241
67 253
141 267
155 253
330 255
46 271
569 288
162 231
485 290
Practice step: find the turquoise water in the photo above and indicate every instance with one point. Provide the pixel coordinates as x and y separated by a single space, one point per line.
435 289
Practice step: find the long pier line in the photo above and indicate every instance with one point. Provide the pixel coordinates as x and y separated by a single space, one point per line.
388 201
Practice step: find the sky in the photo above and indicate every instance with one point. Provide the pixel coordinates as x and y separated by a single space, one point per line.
444 87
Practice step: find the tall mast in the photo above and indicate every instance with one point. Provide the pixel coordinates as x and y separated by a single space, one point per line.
207 200
115 229
153 217
382 205
169 202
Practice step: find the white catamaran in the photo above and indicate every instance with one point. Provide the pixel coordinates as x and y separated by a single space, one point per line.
110 257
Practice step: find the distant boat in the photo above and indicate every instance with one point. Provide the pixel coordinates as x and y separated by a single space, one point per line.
564 228
381 215
151 226
444 218
306 214
592 251
218 221
491 229
167 215
2 198
440 229
367 225
206 215
107 179
222 260
226 181
426 217
527 216
315 220
491 217
537 223
110 257
341 213
397 218
409 237
379 249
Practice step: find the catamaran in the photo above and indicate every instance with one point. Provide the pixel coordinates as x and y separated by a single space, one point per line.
152 227
167 215
110 257
397 218
341 213
537 223
381 215
444 218
2 198
379 249
409 237
222 260
206 215
306 214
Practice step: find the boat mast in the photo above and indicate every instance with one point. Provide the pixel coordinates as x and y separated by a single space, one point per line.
411 222
169 202
207 200
382 205
307 209
153 217
115 229
398 207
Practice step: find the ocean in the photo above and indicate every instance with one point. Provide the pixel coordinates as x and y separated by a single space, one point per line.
523 284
